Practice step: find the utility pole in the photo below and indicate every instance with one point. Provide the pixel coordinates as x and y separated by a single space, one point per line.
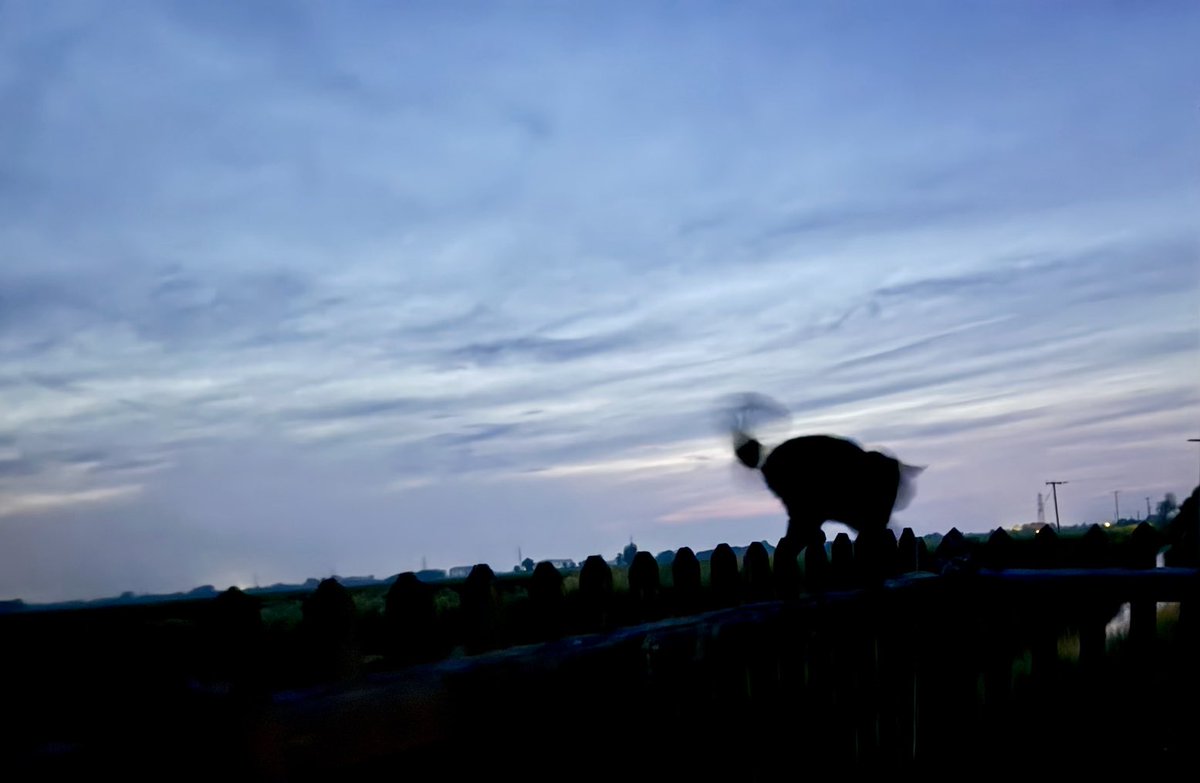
1116 507
1193 440
1147 509
1054 490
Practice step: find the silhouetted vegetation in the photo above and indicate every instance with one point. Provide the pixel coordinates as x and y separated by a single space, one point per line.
1183 534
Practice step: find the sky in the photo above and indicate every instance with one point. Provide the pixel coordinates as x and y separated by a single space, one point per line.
298 289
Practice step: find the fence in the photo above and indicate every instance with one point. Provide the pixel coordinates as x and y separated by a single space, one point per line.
495 613
921 672
996 656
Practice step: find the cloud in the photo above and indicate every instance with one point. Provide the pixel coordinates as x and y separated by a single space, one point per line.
545 349
132 465
361 409
727 508
1147 403
17 462
479 433
956 425
634 462
439 269
19 503
14 466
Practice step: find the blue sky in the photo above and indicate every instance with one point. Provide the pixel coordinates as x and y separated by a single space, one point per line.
293 289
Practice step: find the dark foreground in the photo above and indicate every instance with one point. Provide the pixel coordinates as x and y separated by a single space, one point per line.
1007 672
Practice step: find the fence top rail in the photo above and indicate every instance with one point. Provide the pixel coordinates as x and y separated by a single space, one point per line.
1158 584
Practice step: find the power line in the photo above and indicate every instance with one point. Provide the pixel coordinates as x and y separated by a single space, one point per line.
1054 490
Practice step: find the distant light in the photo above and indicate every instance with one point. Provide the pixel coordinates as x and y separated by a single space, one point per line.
1108 524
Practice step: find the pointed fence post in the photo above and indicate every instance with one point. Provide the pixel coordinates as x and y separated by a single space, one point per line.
595 593
237 630
841 562
330 623
756 573
998 551
724 579
907 560
481 609
685 577
875 555
815 564
409 620
644 586
1046 551
1141 553
1092 551
953 552
786 569
546 598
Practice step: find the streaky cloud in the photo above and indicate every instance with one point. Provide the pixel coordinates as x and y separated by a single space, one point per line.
544 349
19 503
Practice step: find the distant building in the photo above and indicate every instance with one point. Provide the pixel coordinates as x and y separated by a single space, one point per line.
562 564
460 572
355 581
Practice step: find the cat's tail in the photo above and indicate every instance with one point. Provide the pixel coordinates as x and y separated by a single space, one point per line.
742 415
907 488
